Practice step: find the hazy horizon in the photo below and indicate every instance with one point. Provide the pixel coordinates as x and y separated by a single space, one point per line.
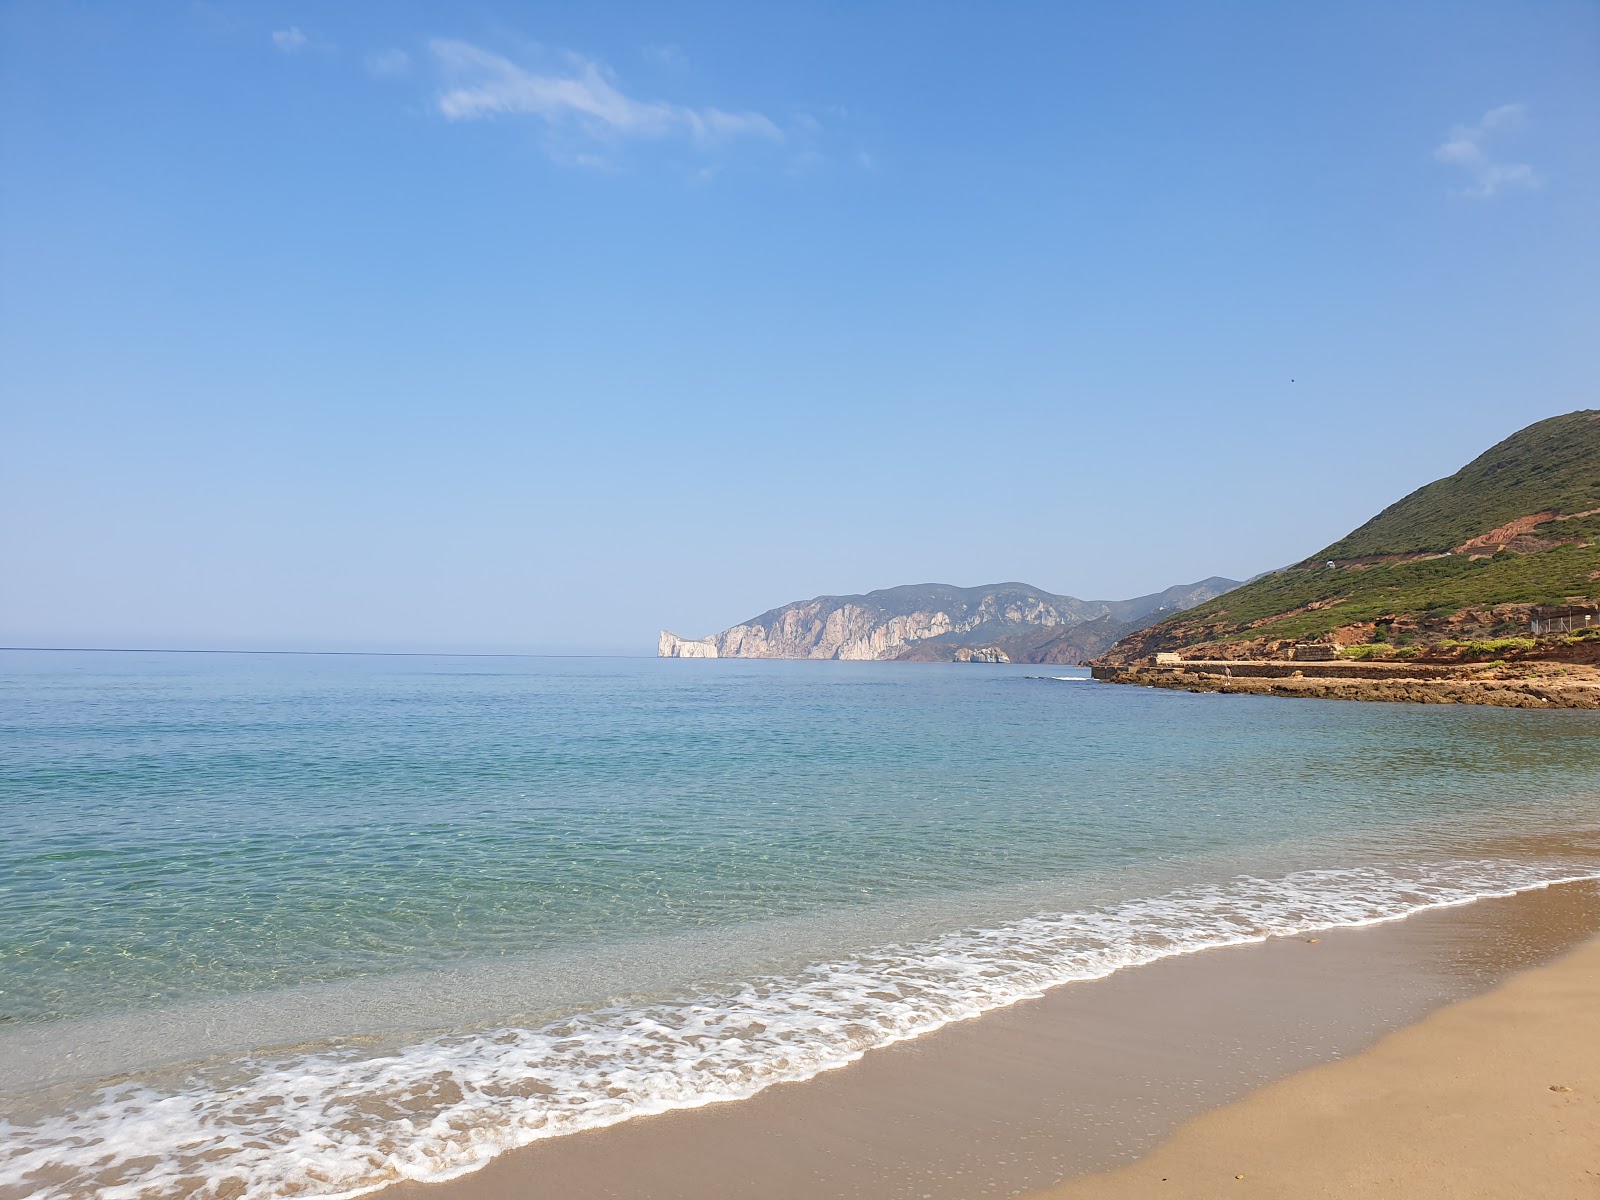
541 328
138 646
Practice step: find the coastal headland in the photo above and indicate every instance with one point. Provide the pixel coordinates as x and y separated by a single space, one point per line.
1478 588
1493 572
933 622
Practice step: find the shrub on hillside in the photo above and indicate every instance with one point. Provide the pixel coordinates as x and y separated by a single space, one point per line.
1364 652
1478 649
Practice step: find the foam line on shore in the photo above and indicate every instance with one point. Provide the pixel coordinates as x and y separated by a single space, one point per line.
343 1119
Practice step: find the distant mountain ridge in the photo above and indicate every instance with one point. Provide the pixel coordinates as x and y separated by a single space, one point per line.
1467 556
934 621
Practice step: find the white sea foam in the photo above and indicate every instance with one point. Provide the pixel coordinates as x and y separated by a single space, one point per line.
347 1119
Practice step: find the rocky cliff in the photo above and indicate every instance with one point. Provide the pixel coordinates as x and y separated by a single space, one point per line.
934 621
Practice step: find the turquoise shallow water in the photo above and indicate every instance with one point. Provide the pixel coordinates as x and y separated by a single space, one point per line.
520 877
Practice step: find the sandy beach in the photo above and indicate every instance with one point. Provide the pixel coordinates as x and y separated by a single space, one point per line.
1091 1077
1493 1098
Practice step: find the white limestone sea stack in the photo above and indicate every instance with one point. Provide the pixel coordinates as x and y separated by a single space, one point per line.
670 645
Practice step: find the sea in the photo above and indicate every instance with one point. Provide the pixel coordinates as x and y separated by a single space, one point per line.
305 925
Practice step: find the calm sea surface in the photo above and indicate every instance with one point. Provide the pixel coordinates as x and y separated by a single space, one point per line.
302 925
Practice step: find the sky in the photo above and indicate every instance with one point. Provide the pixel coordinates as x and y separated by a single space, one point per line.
539 328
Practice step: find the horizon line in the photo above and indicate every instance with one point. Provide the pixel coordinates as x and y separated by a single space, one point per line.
361 653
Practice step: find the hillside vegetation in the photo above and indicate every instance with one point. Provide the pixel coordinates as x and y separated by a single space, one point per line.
1518 526
1306 603
1553 466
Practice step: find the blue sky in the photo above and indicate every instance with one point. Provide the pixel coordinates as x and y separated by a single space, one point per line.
537 327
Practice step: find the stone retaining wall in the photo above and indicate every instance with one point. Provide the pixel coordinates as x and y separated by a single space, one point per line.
1249 669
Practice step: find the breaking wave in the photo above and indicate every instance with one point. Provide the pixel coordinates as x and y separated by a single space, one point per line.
346 1118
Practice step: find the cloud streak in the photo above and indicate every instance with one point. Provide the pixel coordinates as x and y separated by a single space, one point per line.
388 63
291 40
583 98
1464 148
668 55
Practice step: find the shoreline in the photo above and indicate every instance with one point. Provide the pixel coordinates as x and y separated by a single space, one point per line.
1519 685
1495 1097
1084 1078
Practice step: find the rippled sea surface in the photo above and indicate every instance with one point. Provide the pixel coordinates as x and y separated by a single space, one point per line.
281 925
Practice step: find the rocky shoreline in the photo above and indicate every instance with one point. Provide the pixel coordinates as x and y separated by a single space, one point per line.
1524 685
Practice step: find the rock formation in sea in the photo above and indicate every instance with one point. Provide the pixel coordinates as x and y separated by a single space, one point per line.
670 645
981 654
934 622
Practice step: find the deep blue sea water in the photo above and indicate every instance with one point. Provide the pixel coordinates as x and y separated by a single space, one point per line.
301 925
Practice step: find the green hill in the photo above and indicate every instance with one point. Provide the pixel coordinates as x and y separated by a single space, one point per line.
1553 466
1519 525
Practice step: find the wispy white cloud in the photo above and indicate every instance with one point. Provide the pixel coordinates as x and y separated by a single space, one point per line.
582 98
1464 148
388 63
804 161
668 55
215 17
291 40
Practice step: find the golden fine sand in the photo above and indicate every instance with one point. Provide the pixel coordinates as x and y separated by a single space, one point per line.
1494 1097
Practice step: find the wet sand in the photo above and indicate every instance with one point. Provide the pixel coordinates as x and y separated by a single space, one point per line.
1089 1077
